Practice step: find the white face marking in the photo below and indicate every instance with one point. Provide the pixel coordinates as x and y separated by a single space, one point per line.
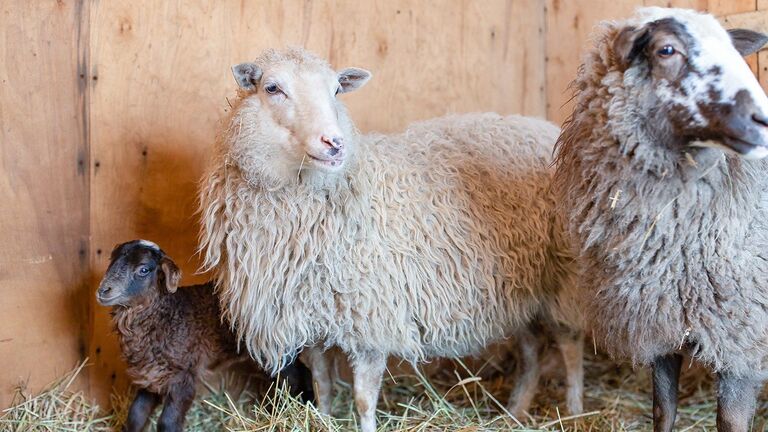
149 244
713 49
735 73
756 153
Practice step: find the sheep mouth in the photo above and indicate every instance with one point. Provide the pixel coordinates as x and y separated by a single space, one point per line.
333 163
735 146
746 149
108 301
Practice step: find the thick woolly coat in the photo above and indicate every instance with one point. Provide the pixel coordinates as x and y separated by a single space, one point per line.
673 247
169 339
433 242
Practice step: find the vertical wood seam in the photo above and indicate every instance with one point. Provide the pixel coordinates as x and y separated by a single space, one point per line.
82 29
545 58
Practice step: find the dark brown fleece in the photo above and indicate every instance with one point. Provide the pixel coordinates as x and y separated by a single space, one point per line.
167 334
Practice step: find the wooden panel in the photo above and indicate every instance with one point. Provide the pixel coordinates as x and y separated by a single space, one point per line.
762 4
763 70
690 4
755 20
727 7
161 75
43 187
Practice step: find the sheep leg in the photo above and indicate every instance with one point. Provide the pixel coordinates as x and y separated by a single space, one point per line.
736 402
666 373
367 371
298 379
319 363
142 406
177 402
528 377
571 345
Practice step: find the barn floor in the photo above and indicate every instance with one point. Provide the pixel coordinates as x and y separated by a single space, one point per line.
617 399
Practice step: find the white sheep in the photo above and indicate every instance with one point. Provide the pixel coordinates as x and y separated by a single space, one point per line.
434 242
670 228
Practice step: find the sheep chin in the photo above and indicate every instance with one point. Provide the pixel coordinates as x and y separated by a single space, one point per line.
757 152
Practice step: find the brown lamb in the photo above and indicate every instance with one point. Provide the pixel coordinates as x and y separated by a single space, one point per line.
169 336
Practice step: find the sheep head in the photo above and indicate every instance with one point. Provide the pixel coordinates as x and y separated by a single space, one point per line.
289 117
691 81
138 271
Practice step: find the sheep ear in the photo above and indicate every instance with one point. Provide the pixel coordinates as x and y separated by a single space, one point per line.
353 78
247 75
171 274
629 44
746 41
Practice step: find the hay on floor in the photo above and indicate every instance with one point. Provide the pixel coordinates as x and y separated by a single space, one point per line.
617 399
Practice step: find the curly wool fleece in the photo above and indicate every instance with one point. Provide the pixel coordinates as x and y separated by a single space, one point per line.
433 242
673 247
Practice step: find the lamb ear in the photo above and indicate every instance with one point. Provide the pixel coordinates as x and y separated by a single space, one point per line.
247 75
171 274
353 78
629 44
746 41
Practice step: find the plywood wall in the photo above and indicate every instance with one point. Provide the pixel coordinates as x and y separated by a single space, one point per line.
108 111
44 190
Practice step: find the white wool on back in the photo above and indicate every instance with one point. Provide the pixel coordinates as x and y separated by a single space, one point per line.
433 242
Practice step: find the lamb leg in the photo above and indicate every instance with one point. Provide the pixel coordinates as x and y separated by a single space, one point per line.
142 406
177 402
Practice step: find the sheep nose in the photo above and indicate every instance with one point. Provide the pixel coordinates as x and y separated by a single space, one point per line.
333 142
761 119
105 290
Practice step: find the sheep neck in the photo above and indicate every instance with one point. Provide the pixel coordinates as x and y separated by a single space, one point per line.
137 314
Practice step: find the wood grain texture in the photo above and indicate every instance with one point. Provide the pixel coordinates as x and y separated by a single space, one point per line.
44 190
160 77
727 7
754 20
763 69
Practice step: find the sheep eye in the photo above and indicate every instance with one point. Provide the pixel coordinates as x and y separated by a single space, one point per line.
143 271
666 51
272 89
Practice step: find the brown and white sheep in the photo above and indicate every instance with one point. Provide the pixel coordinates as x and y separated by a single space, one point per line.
666 209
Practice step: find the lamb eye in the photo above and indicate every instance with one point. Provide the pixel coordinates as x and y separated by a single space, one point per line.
272 89
666 51
143 271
